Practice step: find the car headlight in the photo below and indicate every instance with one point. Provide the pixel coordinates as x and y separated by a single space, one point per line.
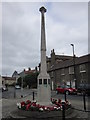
70 90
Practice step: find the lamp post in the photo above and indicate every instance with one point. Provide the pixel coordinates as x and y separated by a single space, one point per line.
22 84
74 66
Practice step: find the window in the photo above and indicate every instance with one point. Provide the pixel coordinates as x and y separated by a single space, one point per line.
40 81
82 68
71 70
62 78
83 77
62 72
45 81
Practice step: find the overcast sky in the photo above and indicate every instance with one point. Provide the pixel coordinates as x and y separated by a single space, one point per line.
66 23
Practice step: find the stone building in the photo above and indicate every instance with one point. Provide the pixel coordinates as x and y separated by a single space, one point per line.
24 73
15 75
61 69
27 72
8 80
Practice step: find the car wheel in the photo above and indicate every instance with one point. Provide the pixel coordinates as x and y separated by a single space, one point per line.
67 93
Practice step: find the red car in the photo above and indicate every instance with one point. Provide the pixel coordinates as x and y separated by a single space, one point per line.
67 89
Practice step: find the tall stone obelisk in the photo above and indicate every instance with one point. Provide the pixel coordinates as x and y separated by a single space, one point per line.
44 91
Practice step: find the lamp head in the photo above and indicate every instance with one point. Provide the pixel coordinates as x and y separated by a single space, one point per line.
42 9
72 44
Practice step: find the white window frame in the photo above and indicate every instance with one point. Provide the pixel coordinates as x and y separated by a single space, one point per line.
63 71
71 70
82 68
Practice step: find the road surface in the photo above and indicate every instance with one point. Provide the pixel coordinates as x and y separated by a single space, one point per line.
9 102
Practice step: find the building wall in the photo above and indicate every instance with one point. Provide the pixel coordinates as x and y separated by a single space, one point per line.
61 74
8 80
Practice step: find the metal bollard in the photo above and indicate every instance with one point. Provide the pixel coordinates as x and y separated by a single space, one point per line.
65 96
33 95
14 93
84 100
63 111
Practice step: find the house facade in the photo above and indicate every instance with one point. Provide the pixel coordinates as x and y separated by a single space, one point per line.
27 72
8 80
63 70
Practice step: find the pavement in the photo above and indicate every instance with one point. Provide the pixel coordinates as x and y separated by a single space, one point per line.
71 114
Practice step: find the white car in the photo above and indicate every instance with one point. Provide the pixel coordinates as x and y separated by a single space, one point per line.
17 87
4 88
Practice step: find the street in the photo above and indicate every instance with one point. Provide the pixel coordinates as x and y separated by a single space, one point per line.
12 93
12 96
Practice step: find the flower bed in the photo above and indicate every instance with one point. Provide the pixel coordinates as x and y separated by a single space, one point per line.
34 106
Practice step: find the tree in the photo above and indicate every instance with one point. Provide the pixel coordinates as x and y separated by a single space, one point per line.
19 81
31 79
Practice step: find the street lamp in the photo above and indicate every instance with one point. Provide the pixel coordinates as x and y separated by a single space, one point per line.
73 49
22 84
74 66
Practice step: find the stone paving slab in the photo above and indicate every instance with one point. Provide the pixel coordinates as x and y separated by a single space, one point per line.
41 115
53 115
71 114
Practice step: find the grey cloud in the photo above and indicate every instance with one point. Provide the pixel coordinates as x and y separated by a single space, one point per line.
68 23
65 23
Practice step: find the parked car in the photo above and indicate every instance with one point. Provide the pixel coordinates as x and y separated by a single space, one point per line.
4 88
84 88
67 89
17 87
